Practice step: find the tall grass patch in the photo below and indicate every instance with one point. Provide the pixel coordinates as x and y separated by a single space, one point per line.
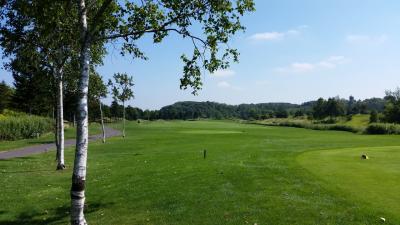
24 126
383 128
310 125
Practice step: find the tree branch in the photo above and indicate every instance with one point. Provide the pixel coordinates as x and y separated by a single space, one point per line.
116 36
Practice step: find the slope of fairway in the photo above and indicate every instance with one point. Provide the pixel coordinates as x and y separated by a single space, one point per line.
157 175
358 121
375 181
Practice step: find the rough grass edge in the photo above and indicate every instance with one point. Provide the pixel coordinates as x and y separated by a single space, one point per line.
373 128
312 126
25 126
382 128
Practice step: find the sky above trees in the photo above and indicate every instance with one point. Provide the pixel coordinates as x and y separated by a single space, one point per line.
292 51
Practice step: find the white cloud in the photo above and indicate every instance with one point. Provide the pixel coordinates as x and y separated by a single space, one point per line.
224 84
305 67
267 36
223 73
275 36
356 39
297 67
333 62
227 85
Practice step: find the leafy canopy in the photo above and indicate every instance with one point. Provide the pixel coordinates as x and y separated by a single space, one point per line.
121 88
219 21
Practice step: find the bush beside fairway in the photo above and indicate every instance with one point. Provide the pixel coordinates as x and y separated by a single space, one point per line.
70 132
15 126
358 124
157 175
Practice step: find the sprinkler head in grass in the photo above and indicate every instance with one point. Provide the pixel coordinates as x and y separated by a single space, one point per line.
364 156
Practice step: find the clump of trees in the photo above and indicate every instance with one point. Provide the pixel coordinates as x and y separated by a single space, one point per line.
332 108
392 108
213 110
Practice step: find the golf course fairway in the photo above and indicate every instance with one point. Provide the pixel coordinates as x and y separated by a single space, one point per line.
252 174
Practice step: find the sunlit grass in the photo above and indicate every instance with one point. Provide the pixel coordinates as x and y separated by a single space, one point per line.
158 175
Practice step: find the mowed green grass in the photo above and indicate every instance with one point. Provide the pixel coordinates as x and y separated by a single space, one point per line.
374 181
358 121
157 175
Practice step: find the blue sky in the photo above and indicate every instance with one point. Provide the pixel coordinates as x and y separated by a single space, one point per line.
292 51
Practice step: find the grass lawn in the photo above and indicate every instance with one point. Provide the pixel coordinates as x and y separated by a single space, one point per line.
252 175
374 182
70 132
358 121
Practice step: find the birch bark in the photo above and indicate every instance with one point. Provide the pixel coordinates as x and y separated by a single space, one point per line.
79 171
123 112
102 122
60 122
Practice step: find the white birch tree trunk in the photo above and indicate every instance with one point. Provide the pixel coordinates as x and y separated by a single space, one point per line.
102 122
79 171
55 118
60 122
123 118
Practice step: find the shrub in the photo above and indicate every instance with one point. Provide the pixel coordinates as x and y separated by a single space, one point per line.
373 118
383 128
24 126
312 126
344 128
281 113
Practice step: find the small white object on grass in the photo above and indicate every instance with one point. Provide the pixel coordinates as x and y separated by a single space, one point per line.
364 156
383 219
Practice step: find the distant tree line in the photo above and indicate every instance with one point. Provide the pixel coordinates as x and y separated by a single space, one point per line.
213 110
21 98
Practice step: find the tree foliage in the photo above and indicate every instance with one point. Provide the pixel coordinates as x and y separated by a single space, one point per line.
333 107
121 87
392 107
219 21
6 94
373 118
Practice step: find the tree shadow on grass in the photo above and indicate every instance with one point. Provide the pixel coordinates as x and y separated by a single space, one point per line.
28 171
22 158
40 142
60 215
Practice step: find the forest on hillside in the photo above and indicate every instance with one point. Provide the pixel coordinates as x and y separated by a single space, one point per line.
44 104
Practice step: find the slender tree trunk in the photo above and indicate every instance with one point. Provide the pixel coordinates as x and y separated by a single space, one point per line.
60 123
79 171
123 118
102 122
55 119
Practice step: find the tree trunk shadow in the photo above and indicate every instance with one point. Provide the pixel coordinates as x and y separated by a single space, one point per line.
59 215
